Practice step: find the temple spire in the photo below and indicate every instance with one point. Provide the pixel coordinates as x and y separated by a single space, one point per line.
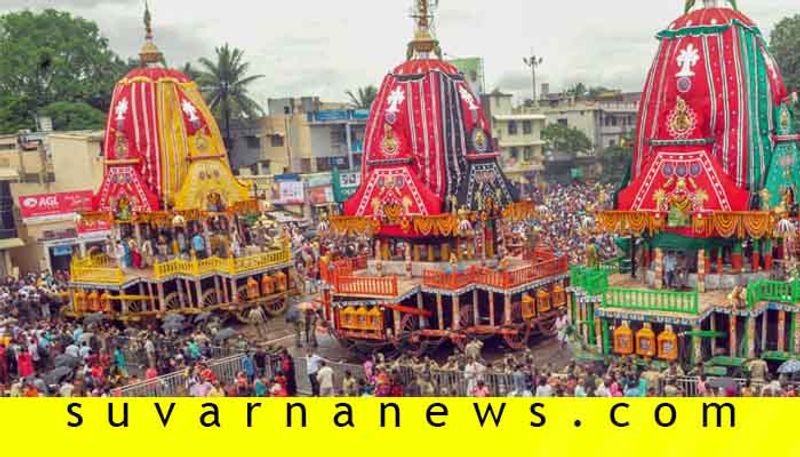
709 4
149 54
423 43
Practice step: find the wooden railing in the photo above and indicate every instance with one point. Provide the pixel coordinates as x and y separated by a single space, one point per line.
366 285
195 267
593 280
97 275
492 278
652 300
451 280
775 291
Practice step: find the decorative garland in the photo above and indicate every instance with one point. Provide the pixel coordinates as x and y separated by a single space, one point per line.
726 224
520 211
354 225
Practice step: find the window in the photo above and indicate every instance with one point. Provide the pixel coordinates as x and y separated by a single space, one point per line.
528 153
512 128
305 165
276 141
527 127
612 143
323 164
253 142
514 153
614 121
563 122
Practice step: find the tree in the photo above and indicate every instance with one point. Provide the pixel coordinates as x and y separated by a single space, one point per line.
561 138
190 71
225 84
363 98
578 90
785 46
74 116
615 160
52 56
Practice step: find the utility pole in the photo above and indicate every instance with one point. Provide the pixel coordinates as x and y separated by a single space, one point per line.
532 62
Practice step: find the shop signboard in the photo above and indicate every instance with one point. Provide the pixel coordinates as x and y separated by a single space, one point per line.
288 193
345 184
55 205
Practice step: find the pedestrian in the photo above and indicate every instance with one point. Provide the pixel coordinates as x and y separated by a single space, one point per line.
325 380
312 367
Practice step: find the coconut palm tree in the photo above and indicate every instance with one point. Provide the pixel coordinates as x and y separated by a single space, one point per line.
363 98
225 84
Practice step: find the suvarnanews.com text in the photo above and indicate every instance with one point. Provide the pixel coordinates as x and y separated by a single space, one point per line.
389 414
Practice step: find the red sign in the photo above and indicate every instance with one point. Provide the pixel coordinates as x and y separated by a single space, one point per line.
56 204
93 227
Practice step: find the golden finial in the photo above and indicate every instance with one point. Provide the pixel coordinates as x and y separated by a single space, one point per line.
423 43
149 54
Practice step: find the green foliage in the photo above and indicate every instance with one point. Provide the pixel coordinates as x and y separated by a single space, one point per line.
561 138
785 47
615 161
225 83
74 116
52 56
363 98
16 113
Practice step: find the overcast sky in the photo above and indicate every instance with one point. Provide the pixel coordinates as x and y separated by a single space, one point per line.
323 47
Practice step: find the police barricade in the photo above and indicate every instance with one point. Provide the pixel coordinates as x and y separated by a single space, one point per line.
447 383
175 384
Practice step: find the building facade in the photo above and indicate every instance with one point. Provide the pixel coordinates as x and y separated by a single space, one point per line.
518 132
49 178
301 135
607 119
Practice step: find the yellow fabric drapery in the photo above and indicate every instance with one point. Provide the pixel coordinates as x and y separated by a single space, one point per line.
725 224
439 225
353 225
519 211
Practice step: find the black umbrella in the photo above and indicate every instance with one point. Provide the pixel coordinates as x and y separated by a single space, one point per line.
292 315
55 376
172 325
201 317
94 318
721 383
174 318
224 334
66 360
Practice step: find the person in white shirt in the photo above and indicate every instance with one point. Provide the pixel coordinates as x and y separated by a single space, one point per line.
562 326
313 362
603 390
544 389
325 380
473 372
66 389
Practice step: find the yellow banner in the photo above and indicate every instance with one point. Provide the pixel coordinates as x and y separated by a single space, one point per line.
414 427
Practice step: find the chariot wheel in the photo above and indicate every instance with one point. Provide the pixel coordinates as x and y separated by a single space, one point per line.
242 313
241 293
276 306
409 339
209 298
135 306
517 339
172 302
516 312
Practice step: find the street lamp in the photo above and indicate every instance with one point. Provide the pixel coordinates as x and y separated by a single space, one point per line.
533 61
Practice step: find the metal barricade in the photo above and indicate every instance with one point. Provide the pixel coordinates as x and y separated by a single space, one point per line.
174 384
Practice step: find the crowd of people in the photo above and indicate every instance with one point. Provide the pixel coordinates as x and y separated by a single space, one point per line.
44 354
566 221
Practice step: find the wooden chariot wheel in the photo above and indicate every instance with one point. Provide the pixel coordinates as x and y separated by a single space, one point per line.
516 336
276 306
172 302
209 299
466 316
242 310
409 339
